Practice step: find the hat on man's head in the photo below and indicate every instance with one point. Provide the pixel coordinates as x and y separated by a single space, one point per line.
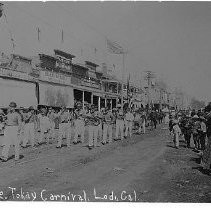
12 104
118 106
195 117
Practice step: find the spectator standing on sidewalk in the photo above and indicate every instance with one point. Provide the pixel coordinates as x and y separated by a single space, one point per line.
206 157
176 133
196 130
187 130
202 133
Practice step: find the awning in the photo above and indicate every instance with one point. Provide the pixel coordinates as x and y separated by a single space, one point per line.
22 93
56 95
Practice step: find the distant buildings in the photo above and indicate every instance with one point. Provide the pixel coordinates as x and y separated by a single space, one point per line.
60 80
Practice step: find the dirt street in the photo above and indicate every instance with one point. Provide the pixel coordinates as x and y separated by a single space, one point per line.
143 169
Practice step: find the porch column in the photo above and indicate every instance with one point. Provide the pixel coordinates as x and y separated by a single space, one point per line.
91 98
98 103
83 99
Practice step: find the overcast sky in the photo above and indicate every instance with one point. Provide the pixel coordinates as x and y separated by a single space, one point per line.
172 39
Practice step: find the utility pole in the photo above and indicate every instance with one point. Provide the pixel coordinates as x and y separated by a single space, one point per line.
149 76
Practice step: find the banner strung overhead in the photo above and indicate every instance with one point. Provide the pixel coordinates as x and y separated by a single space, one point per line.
55 95
22 93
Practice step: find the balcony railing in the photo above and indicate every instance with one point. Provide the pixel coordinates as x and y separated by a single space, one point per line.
83 80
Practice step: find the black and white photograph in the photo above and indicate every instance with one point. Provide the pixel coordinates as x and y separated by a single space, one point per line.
106 101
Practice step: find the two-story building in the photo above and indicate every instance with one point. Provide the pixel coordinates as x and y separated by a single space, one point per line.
16 82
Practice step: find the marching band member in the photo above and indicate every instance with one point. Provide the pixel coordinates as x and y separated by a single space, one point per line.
44 126
100 129
108 118
23 115
93 122
30 121
12 129
79 125
119 123
129 118
51 116
56 123
64 127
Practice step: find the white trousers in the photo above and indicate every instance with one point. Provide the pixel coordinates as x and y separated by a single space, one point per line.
44 134
79 130
100 131
64 131
128 127
52 130
11 138
29 134
107 132
119 129
22 133
176 139
93 132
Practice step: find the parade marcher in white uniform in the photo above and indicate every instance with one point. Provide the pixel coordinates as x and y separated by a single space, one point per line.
51 116
93 122
64 127
108 119
44 124
129 119
119 123
99 114
79 125
30 122
12 129
23 114
176 133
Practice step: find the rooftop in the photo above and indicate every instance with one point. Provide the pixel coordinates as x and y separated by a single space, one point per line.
91 63
64 54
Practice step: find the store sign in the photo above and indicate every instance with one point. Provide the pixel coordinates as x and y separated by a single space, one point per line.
90 83
85 82
14 74
55 77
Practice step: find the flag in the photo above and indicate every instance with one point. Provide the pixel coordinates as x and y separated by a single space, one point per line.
1 9
114 48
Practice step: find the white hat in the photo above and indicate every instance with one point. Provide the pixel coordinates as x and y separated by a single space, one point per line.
196 116
118 105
